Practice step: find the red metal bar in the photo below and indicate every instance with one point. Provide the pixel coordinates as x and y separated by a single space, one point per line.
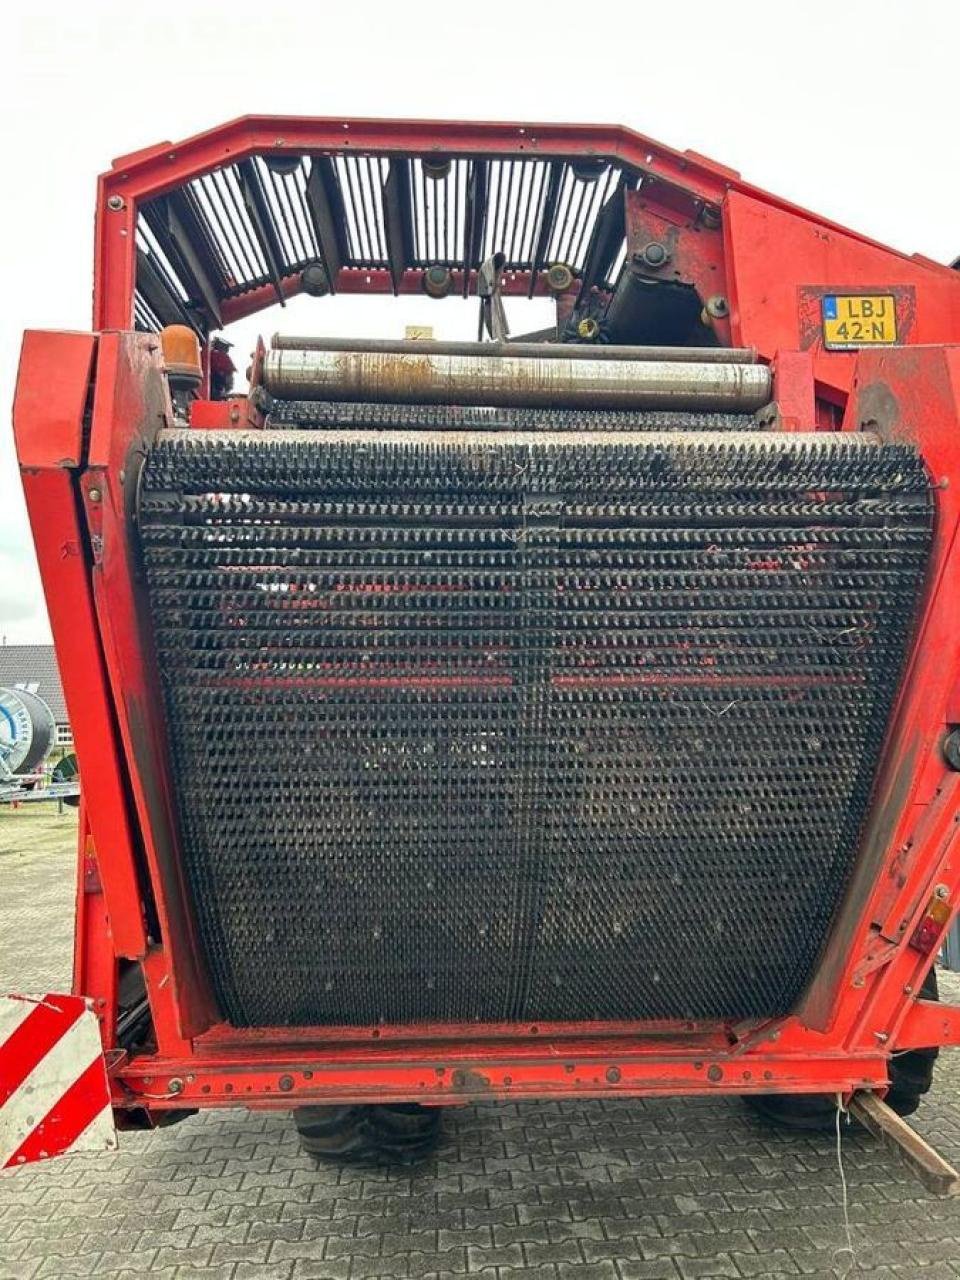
447 1074
353 280
130 405
95 964
61 546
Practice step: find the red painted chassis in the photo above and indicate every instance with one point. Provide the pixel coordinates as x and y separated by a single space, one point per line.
87 405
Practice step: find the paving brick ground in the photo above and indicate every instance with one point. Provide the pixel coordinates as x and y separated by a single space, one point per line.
646 1190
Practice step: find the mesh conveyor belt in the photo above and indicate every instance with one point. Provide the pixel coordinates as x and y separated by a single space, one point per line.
319 415
508 728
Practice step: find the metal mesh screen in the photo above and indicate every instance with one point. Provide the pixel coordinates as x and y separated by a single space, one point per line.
505 727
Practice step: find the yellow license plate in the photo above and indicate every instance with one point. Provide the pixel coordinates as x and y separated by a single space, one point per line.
853 320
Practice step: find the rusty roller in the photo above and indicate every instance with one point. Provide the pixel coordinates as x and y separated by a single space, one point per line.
419 378
529 350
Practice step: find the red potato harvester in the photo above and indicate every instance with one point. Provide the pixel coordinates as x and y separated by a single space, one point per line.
571 714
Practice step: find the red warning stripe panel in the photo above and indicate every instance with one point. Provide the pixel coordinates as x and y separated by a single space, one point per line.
54 1090
49 1018
66 1121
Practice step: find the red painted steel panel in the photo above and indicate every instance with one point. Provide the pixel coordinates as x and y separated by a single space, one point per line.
52 388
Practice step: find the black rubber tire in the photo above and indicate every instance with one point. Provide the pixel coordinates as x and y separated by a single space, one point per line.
396 1133
329 1133
911 1075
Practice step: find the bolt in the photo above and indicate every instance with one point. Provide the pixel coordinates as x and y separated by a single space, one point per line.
951 749
282 164
588 329
437 282
653 255
94 495
715 1074
175 1085
588 170
882 1036
710 217
559 277
941 892
613 1075
717 307
314 281
116 203
286 1083
436 168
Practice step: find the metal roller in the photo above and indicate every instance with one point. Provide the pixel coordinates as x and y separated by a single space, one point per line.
522 350
510 380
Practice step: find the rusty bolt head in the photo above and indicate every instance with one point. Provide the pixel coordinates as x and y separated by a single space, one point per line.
715 1074
437 282
559 277
613 1075
285 1083
710 217
116 203
175 1085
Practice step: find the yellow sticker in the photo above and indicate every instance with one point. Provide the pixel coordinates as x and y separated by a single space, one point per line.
852 320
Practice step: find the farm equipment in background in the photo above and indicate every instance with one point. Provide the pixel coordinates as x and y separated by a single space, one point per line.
608 677
27 737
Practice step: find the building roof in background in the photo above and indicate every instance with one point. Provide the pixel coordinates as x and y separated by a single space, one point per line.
34 667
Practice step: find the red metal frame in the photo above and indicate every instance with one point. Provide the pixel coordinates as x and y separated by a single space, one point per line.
88 406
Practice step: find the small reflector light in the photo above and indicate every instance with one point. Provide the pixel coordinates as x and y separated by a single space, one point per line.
927 934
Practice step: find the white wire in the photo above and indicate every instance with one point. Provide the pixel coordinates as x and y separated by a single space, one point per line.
845 1204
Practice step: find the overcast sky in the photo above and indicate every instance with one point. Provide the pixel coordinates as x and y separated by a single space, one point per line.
846 108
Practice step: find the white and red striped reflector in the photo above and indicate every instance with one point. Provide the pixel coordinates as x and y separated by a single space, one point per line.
54 1094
